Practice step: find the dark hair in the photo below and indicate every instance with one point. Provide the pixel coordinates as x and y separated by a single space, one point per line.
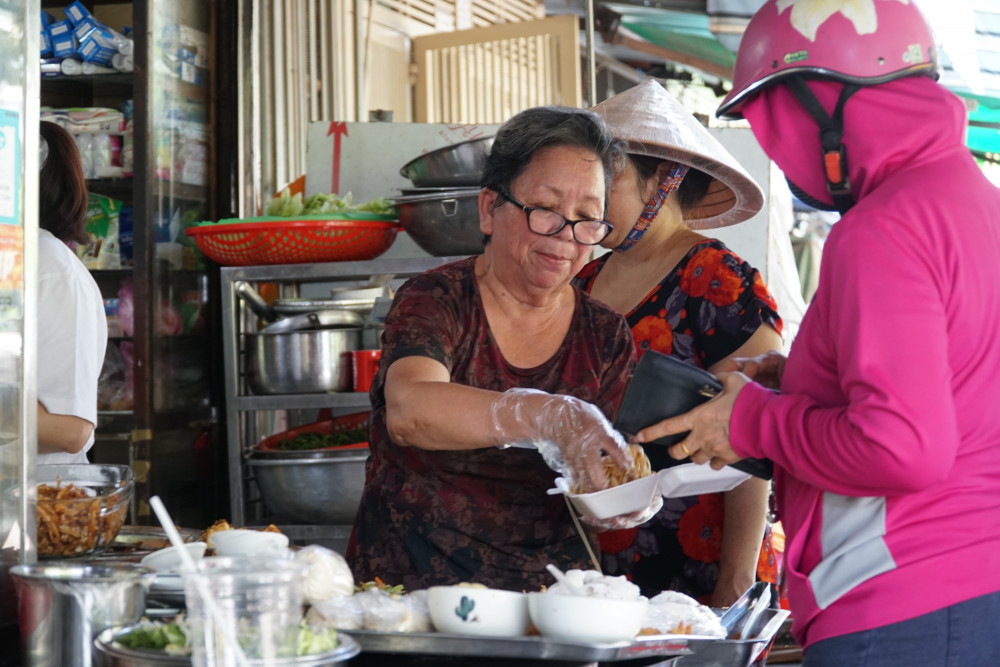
62 189
527 132
692 190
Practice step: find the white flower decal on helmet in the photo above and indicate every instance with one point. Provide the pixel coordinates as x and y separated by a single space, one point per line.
808 15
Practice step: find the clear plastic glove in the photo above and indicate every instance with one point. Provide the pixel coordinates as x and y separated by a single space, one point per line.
570 434
626 520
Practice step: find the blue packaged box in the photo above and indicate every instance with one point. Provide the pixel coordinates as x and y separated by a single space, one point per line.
76 12
91 50
45 43
63 41
47 19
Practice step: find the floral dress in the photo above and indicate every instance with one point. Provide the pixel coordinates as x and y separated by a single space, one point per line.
702 311
430 517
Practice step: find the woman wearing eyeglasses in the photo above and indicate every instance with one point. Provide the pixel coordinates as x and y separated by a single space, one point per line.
687 295
494 350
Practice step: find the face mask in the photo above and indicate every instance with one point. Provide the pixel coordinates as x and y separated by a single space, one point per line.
670 182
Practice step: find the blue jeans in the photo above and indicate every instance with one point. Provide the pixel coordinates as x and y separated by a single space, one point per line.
963 635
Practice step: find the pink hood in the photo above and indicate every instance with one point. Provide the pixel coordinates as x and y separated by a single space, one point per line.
876 135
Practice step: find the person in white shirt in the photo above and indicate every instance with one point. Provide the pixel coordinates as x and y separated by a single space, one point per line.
72 328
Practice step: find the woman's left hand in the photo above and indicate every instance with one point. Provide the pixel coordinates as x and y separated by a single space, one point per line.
708 440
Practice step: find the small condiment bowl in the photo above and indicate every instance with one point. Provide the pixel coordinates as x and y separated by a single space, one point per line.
477 610
585 618
168 559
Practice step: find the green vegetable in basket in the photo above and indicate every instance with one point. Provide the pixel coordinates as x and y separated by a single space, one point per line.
287 205
320 440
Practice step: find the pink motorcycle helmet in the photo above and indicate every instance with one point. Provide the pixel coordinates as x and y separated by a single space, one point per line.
864 42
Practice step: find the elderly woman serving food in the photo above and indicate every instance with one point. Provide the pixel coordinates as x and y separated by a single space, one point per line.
493 350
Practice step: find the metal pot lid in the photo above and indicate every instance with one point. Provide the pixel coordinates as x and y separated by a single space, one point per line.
299 306
322 319
416 195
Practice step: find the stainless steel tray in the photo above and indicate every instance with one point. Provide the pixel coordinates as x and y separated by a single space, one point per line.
692 651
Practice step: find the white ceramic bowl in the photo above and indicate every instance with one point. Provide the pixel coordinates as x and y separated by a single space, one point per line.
623 499
244 542
586 619
168 559
470 610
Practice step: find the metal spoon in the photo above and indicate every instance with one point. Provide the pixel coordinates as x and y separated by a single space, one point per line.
564 580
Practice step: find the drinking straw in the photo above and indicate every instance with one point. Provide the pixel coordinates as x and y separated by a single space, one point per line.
187 565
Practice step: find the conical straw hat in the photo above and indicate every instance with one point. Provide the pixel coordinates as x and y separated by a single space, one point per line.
654 123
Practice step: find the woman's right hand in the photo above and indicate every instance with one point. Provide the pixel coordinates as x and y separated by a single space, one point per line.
765 369
578 429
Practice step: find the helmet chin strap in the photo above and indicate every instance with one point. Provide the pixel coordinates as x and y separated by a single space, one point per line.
670 182
831 134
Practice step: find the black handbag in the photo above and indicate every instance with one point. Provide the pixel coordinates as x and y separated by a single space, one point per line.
664 387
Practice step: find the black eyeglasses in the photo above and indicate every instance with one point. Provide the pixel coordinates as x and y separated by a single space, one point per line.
546 222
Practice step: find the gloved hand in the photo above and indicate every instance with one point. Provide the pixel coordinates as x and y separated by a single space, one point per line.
570 434
626 520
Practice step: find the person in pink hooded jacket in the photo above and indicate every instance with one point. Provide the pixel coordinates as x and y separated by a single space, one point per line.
885 432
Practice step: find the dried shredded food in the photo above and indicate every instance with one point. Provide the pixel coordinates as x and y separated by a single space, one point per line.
71 521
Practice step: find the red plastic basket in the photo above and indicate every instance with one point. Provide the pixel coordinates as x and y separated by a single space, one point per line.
337 425
254 241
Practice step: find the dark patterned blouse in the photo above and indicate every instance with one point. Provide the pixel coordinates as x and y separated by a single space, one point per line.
482 515
702 311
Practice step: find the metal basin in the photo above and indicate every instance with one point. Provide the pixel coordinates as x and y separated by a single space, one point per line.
458 165
301 362
443 223
322 487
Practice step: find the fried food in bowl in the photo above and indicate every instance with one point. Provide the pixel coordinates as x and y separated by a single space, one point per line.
81 507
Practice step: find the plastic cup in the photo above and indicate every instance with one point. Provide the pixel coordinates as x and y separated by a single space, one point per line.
259 599
364 364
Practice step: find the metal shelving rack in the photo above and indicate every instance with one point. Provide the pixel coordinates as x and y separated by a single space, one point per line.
240 404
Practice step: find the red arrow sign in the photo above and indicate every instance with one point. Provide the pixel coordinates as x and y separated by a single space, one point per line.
337 129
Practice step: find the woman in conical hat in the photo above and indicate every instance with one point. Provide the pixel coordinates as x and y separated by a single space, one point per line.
685 294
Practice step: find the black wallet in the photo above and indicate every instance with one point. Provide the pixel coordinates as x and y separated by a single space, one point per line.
663 387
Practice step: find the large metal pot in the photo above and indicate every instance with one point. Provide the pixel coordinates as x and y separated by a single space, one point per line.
301 362
458 165
442 222
315 487
64 605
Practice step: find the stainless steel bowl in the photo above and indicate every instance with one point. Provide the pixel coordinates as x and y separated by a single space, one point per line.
301 362
323 487
113 654
443 223
460 164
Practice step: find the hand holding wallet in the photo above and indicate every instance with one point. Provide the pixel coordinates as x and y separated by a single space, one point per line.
664 387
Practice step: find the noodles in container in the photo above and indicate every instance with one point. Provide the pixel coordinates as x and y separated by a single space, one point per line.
629 491
81 507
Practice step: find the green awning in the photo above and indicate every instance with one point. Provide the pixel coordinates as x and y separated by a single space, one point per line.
984 125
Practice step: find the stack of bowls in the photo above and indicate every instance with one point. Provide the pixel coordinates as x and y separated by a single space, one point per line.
441 211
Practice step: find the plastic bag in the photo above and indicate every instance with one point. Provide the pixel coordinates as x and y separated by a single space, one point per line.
114 391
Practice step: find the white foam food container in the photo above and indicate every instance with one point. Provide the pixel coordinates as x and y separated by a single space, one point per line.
689 479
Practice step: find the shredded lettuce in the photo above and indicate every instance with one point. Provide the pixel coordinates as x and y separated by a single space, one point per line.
172 639
287 205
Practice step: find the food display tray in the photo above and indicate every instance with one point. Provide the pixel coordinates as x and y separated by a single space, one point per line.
690 651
